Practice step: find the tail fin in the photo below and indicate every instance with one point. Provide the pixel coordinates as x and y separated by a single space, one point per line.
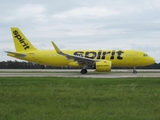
20 41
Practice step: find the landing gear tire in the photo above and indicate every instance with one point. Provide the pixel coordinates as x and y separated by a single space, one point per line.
134 71
83 71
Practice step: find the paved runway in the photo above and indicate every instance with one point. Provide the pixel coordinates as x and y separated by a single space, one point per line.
76 73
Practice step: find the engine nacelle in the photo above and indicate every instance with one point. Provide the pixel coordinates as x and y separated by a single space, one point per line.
104 66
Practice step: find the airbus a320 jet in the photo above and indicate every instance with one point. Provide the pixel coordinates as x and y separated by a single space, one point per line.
100 60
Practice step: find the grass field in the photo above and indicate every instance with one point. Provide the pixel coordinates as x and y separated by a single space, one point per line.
52 98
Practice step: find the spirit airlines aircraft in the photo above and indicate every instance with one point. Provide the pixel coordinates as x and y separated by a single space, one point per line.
101 60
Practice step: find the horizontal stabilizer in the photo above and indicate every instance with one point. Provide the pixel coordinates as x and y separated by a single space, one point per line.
16 54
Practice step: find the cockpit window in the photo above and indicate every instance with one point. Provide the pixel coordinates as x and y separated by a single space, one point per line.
145 55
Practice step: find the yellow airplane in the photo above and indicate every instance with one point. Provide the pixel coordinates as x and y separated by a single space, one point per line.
100 60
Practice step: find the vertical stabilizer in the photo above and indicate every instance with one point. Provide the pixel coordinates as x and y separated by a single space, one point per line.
20 41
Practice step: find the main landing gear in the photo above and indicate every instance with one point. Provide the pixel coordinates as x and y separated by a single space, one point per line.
134 70
84 71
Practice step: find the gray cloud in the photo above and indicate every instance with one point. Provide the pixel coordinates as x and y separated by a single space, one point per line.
85 24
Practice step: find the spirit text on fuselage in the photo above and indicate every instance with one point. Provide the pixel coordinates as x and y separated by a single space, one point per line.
100 54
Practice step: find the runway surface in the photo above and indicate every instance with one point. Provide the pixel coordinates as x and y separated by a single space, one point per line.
76 73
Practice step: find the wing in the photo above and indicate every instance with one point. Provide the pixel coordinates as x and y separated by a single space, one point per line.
78 59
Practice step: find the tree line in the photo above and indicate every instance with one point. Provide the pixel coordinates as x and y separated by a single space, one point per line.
30 65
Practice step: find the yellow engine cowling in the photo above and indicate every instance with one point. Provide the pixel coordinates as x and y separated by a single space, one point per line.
104 66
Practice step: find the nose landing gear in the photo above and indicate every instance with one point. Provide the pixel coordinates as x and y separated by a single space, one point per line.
134 70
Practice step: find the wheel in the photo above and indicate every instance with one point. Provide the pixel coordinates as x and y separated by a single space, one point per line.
134 71
84 71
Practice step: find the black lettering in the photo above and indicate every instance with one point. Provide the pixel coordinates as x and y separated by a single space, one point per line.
18 36
27 47
92 53
24 45
21 40
79 53
99 54
15 32
112 54
104 54
101 65
119 55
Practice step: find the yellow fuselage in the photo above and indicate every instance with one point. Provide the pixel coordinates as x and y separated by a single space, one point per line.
125 58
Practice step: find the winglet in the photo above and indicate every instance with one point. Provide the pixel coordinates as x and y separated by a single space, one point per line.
57 49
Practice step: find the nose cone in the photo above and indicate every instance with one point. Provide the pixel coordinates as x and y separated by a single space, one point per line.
152 60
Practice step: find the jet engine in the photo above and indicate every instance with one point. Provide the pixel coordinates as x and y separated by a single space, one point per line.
103 66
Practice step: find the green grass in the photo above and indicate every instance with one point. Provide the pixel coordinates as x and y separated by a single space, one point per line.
53 98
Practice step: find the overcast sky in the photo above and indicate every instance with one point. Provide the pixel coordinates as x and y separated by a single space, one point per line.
83 24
